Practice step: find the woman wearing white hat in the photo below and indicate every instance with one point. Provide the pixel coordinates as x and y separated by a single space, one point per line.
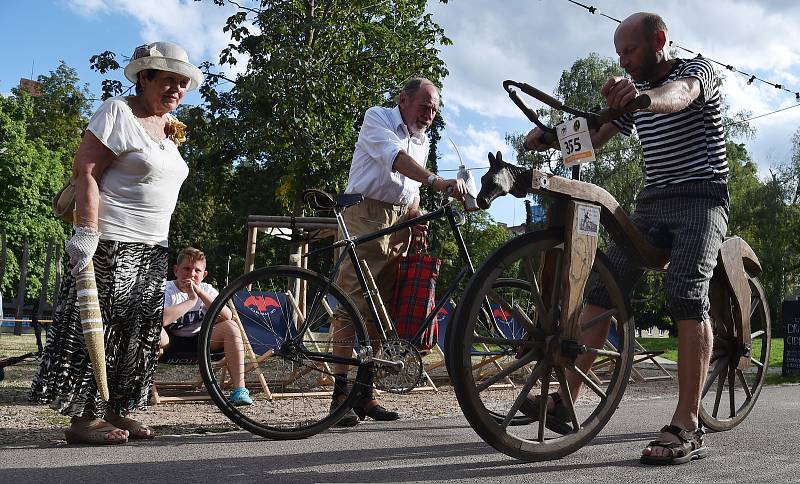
127 172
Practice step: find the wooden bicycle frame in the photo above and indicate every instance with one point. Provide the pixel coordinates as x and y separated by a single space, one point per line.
736 257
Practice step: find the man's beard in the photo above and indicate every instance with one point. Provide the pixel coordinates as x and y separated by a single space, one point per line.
648 69
417 127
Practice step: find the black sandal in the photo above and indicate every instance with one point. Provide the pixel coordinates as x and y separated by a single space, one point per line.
688 449
556 420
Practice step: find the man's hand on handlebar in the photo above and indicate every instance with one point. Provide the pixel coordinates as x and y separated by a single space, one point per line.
619 91
534 141
455 187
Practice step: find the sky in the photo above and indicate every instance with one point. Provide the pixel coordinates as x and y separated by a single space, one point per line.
525 40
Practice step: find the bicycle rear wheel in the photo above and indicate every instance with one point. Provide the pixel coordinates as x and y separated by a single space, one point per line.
292 349
538 360
730 392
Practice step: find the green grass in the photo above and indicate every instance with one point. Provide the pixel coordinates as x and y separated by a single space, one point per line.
670 348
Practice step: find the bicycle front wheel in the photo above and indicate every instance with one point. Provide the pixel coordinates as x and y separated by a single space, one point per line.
296 332
495 366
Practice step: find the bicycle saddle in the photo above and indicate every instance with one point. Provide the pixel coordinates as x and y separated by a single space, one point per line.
319 200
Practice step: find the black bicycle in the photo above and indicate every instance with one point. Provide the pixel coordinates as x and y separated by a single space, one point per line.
296 339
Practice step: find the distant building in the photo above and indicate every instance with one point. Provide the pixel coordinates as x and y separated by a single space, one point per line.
31 87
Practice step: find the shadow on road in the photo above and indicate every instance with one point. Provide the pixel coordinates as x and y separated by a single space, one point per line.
389 464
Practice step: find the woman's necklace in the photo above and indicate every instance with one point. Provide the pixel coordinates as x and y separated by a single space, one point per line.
159 142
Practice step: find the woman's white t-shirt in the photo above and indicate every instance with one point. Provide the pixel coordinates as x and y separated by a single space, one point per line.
139 189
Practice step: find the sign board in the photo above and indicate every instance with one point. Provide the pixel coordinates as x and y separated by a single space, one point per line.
791 342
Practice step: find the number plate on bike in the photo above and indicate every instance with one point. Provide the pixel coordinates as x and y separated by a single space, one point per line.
576 142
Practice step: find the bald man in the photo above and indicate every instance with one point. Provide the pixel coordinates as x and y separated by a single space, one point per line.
685 193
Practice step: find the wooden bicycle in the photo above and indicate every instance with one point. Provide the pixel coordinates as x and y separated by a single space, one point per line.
559 263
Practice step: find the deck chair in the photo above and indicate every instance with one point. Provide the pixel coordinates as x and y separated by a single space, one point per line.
640 355
487 364
436 353
269 319
192 389
511 330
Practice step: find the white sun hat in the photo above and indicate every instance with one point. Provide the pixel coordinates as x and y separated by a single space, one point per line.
163 56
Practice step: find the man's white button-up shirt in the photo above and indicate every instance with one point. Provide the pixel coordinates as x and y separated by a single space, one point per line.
382 136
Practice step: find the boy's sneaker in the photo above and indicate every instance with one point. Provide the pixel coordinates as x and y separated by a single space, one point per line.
240 397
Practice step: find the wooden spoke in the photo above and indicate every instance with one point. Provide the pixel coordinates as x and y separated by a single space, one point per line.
515 310
537 372
732 390
721 363
535 288
718 396
530 356
743 381
562 381
588 324
602 352
589 382
545 389
754 306
498 341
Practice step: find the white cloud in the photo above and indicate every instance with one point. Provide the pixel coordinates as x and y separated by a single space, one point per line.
534 41
196 26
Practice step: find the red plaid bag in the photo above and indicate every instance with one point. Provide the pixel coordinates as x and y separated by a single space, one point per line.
414 297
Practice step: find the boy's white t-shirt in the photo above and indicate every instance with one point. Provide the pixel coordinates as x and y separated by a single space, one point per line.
189 324
139 189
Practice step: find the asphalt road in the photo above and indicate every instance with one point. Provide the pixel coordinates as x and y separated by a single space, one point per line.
763 448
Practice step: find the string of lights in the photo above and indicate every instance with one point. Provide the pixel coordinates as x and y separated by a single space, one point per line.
607 152
750 77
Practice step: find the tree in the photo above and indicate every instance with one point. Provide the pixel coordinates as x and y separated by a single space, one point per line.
30 174
60 114
290 120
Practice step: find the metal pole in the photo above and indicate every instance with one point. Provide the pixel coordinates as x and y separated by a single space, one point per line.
228 270
57 281
45 280
23 279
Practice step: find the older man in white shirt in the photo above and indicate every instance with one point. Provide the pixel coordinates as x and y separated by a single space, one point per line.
388 168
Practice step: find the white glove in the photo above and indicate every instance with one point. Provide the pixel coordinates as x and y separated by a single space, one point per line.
81 248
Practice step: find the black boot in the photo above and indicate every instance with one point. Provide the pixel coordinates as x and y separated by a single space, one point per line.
349 419
365 408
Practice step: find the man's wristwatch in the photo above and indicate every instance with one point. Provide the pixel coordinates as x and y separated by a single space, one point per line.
432 179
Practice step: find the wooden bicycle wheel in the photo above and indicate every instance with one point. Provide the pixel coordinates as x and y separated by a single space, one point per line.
730 391
536 362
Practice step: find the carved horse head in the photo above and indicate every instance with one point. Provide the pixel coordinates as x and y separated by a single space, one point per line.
501 179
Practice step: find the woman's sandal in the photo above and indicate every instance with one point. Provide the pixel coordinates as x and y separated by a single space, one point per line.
136 429
688 449
92 432
556 420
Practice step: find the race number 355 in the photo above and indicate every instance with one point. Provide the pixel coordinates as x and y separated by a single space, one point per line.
576 142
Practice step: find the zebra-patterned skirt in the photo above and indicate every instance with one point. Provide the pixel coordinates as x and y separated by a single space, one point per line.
130 285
